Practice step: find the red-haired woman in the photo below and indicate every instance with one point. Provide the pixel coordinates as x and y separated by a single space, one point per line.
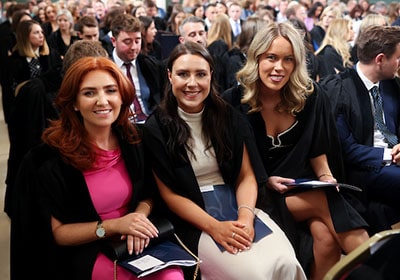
89 180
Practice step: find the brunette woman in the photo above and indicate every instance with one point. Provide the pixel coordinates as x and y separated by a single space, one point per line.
150 46
209 175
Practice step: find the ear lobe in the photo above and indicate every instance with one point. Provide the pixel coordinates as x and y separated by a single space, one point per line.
113 40
169 75
379 58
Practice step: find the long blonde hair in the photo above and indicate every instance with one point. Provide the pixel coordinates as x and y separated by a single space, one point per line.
336 36
220 30
299 86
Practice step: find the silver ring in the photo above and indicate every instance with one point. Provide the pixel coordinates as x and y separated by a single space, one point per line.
233 234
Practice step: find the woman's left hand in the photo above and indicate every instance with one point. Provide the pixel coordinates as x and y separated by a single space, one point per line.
327 178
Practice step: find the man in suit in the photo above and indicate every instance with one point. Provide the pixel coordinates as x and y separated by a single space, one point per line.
142 70
234 13
368 128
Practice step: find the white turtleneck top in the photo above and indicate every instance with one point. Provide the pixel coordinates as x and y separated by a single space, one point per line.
204 163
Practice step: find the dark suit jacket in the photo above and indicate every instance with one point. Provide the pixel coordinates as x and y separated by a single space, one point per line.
352 106
152 72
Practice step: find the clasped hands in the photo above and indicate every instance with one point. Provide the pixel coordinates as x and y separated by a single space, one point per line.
234 236
137 230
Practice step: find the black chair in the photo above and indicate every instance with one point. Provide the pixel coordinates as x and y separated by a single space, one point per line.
168 41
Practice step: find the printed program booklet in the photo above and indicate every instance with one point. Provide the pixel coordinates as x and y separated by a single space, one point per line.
313 184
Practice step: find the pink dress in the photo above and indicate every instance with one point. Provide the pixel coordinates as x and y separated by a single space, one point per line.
111 190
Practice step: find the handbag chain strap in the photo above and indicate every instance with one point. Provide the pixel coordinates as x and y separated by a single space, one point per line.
196 270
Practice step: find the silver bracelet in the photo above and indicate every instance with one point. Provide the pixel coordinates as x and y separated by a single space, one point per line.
247 207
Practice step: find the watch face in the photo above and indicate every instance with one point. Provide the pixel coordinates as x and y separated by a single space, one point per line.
100 232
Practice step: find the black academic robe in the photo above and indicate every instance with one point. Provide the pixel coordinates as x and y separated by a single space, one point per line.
317 135
47 186
180 177
330 62
30 109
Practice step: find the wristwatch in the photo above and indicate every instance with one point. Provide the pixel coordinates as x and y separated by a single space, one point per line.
100 230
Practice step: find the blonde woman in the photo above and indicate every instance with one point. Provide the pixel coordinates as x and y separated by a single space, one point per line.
65 35
318 32
220 30
31 59
334 53
219 43
296 138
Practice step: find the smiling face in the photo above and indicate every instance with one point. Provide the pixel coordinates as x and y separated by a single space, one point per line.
276 65
98 101
190 78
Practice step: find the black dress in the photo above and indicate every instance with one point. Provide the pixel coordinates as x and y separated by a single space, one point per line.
288 155
56 42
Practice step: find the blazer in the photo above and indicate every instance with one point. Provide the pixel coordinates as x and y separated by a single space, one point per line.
47 186
354 118
151 70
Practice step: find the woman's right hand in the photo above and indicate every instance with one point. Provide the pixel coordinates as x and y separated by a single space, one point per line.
232 235
278 183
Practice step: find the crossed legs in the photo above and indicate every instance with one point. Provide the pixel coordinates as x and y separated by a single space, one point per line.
312 206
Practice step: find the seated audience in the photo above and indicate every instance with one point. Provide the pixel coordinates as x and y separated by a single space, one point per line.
201 150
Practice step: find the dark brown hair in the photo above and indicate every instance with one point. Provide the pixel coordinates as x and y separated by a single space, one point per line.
214 117
375 40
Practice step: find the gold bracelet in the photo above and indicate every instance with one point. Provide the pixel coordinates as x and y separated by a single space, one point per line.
247 207
329 175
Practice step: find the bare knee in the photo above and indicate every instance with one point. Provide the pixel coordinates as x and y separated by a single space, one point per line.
324 242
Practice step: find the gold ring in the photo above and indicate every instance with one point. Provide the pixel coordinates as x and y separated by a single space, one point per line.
233 234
